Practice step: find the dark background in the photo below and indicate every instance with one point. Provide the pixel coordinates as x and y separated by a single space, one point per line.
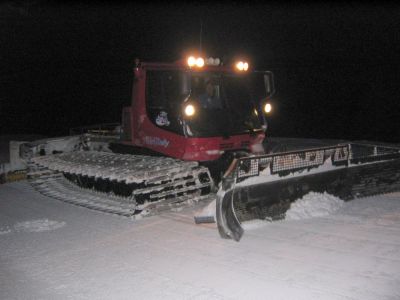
336 66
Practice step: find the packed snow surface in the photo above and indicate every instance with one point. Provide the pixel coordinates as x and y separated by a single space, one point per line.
54 250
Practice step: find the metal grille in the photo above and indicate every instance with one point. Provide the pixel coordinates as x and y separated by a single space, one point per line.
296 161
341 154
248 168
367 152
284 163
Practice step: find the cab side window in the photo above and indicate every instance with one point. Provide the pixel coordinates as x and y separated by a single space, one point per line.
163 102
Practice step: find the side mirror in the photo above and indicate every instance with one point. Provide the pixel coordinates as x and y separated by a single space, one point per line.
269 83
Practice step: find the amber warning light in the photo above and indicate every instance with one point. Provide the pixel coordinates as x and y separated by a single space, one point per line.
195 62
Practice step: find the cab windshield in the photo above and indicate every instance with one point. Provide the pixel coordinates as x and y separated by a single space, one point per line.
225 104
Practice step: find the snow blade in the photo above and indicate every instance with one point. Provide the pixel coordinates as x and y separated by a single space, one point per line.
263 187
228 224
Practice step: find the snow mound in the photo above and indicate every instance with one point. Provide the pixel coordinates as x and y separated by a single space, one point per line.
38 225
313 205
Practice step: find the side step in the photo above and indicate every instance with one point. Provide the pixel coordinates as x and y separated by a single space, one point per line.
263 187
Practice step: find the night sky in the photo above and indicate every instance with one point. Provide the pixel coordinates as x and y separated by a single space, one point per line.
336 66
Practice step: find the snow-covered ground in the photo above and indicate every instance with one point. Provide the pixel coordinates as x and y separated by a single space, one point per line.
53 250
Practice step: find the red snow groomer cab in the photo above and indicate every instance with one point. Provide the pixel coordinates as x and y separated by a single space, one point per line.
198 109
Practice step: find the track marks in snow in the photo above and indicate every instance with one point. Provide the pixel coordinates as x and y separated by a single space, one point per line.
40 225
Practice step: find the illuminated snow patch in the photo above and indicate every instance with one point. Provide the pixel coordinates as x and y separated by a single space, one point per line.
38 225
313 205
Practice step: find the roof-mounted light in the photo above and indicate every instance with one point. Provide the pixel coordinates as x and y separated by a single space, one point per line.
242 66
191 61
211 61
200 62
195 62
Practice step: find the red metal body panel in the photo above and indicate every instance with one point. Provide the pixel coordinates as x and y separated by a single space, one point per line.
197 149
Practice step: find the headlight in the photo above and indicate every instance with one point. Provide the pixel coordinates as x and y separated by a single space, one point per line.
200 62
190 110
268 108
212 61
191 61
195 62
242 66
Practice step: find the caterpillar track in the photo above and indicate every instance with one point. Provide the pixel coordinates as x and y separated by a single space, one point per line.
127 185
